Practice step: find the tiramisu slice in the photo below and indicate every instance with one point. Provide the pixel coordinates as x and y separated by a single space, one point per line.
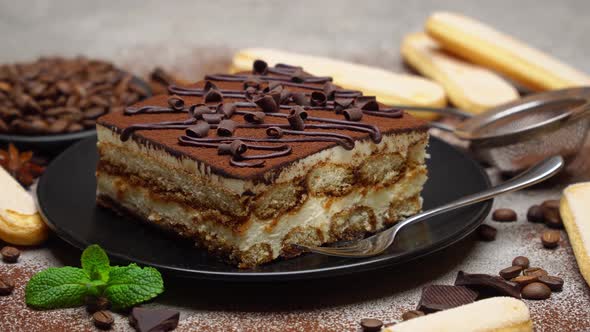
248 165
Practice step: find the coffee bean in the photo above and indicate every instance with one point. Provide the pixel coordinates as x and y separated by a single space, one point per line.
412 314
103 319
504 215
551 214
525 280
536 291
555 283
10 254
535 214
6 286
94 304
94 112
521 261
486 232
535 272
511 272
550 239
371 324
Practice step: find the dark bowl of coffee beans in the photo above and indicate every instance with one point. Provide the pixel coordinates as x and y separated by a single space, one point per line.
53 102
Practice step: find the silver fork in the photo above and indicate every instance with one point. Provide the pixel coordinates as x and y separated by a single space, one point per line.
377 243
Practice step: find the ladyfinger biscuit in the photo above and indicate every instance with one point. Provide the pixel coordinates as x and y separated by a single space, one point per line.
470 87
390 88
20 223
485 46
575 213
497 314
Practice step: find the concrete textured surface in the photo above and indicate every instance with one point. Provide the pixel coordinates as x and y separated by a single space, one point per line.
189 37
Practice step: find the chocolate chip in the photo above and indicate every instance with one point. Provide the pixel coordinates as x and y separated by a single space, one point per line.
318 98
226 128
267 104
300 98
10 254
235 148
285 97
488 283
524 280
550 239
553 282
209 86
227 109
6 286
213 118
329 90
371 324
199 130
103 319
370 105
298 76
441 297
412 314
254 117
504 215
259 67
534 271
154 319
296 118
252 82
274 132
511 272
97 303
213 96
176 102
535 214
486 232
198 110
353 114
536 291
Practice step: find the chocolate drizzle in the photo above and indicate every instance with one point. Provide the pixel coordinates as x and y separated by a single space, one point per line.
266 92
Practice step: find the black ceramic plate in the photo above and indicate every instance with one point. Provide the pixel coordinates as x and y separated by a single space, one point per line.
53 144
66 196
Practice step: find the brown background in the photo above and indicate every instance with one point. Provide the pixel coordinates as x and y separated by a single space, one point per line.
191 37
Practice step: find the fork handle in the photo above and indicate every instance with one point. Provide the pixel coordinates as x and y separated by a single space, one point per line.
541 171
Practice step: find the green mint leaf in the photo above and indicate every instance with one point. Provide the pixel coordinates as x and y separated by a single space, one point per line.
131 285
58 288
96 263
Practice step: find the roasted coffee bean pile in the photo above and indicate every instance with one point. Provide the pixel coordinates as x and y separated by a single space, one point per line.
56 95
534 282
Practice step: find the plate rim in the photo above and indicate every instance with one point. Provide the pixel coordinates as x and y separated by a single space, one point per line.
374 263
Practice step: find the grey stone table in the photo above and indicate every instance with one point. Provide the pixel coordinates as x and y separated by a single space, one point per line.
190 38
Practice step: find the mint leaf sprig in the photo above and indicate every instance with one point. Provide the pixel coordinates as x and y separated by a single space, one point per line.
123 286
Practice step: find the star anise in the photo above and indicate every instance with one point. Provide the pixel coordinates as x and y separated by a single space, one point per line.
20 165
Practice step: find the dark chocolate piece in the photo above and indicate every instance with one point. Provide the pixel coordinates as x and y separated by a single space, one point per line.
150 320
213 96
201 129
318 98
254 117
176 103
484 282
267 103
299 98
227 109
353 114
213 118
442 297
259 67
226 128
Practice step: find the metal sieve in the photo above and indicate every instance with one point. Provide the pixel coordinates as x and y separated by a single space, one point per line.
521 133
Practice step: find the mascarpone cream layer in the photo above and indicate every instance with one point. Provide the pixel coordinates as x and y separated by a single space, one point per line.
315 212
